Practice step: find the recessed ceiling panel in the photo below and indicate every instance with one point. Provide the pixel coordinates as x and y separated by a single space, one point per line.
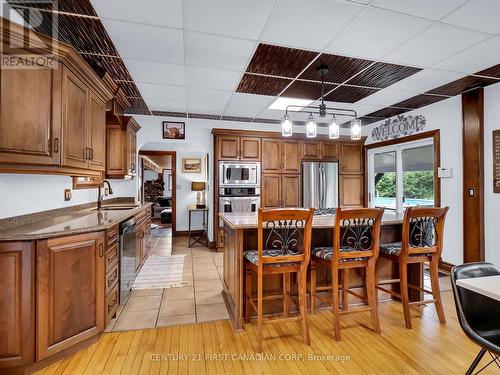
493 71
463 84
306 90
382 75
388 112
349 94
340 68
262 85
420 101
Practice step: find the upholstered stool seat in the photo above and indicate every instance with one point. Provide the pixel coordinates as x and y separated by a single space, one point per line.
326 253
394 248
253 257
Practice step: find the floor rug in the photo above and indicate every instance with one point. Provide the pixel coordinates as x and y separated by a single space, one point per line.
159 272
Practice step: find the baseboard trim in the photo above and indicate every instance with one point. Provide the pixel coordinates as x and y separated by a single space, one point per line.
212 245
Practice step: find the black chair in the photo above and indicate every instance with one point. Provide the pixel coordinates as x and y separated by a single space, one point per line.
479 316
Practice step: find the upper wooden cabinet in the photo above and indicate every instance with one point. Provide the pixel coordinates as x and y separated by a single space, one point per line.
52 120
351 158
70 291
329 150
291 160
17 346
311 149
121 147
238 148
271 155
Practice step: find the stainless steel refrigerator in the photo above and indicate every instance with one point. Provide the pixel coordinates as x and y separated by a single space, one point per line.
320 184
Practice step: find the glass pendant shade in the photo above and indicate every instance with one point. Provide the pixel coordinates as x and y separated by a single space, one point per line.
333 129
311 127
286 126
356 129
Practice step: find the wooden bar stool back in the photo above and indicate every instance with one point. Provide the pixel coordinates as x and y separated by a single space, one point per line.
355 245
284 247
422 241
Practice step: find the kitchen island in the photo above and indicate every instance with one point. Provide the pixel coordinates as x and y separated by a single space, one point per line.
240 234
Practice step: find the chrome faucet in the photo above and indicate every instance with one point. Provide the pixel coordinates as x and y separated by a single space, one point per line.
101 196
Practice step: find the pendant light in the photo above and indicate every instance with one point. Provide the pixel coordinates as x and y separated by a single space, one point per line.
286 126
333 129
356 129
311 127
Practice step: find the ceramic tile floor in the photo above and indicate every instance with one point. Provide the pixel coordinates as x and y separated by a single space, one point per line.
199 301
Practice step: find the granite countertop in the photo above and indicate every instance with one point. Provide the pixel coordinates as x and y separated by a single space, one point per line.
71 222
249 220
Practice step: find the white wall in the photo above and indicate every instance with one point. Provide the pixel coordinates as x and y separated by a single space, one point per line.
491 200
447 117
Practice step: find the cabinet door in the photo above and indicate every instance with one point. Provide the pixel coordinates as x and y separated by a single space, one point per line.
351 158
70 291
29 125
271 155
311 150
116 153
228 148
271 191
97 129
352 191
291 156
75 112
17 304
250 148
329 150
290 190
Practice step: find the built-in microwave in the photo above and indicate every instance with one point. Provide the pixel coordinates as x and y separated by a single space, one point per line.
239 174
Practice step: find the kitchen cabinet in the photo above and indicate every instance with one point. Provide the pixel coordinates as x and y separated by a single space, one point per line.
290 190
97 128
121 147
351 190
239 148
311 150
271 191
17 304
70 291
291 160
329 150
271 155
351 158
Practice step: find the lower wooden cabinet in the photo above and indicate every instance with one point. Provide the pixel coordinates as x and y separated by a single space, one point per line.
290 190
17 304
352 191
270 195
70 291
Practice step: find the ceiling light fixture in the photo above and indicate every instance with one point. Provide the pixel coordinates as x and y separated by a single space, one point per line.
322 110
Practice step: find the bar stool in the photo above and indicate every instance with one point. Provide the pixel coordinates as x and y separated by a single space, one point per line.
355 245
422 241
284 247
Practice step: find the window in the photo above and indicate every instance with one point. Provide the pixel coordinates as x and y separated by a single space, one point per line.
402 175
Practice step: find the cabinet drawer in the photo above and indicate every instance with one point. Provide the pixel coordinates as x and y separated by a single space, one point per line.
111 278
112 236
111 303
111 257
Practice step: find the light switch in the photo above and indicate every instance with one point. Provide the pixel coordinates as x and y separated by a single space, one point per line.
472 192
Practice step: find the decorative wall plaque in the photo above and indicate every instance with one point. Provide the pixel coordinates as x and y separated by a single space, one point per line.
496 161
397 127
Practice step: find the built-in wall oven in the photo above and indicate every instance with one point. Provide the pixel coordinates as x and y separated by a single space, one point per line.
239 174
239 199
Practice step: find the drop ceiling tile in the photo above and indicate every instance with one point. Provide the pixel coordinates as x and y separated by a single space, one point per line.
262 85
243 19
167 105
340 68
240 99
386 97
272 114
478 15
209 78
156 72
162 92
308 24
425 80
388 112
306 90
375 32
478 57
136 41
435 44
462 84
161 13
349 94
242 111
215 97
419 101
279 61
431 9
203 107
382 75
218 52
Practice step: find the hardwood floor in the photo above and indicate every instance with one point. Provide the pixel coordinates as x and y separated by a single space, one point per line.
213 348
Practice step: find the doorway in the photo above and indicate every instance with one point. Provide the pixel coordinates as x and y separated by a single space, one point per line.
159 186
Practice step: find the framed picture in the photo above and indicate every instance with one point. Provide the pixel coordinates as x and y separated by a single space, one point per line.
174 130
191 165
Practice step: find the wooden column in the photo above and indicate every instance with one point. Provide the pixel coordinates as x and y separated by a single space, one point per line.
473 181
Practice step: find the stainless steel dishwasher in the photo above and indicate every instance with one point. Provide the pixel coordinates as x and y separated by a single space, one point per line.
127 258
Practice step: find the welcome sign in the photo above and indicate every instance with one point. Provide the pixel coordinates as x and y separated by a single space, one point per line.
397 127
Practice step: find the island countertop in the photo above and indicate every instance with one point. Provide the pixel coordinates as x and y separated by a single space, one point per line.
248 220
69 223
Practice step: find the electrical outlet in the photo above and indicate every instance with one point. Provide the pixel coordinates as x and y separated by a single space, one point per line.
67 194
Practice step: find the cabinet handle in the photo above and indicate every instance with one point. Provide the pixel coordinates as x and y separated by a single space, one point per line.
87 153
91 154
56 145
101 250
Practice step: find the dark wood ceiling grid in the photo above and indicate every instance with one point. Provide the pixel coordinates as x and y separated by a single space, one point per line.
306 90
419 101
236 118
388 112
463 84
262 85
382 75
69 6
169 114
367 120
204 116
340 68
349 94
267 121
493 71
